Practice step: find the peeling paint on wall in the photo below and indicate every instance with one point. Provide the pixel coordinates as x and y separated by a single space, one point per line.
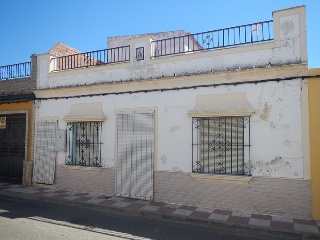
269 168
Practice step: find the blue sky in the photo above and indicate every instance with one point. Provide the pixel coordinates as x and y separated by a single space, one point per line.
34 26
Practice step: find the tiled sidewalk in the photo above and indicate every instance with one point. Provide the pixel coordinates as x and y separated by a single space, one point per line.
218 218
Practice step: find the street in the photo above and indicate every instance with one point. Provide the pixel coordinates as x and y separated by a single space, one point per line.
22 219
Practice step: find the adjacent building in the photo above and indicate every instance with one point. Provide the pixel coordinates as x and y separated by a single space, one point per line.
17 83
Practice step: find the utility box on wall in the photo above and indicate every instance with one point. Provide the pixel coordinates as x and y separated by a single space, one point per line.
61 140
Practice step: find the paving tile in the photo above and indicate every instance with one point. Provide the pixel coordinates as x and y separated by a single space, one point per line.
185 207
134 206
199 215
224 212
82 199
116 199
15 186
129 200
107 203
71 197
104 197
204 210
142 202
81 194
182 212
121 204
50 190
62 191
23 190
241 214
218 217
281 225
49 194
261 216
150 208
305 221
171 205
259 222
166 210
160 204
282 219
306 228
96 200
238 220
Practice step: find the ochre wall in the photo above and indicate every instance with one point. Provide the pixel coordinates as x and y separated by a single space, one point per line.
314 120
26 106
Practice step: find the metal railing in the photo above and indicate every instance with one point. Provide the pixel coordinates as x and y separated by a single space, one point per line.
18 70
221 38
94 58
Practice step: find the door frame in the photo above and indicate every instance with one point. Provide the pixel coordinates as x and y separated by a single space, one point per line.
26 114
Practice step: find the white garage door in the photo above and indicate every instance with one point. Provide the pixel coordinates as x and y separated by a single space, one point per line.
135 149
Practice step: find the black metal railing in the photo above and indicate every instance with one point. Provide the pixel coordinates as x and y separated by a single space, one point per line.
221 145
18 70
94 58
222 38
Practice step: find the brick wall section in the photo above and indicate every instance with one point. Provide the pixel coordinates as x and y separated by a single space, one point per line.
98 182
261 195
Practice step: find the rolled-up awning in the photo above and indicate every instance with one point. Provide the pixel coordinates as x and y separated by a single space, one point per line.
229 104
85 112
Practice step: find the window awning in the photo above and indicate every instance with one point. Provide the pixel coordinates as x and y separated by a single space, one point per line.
229 104
85 112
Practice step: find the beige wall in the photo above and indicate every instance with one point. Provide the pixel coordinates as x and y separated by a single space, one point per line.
314 120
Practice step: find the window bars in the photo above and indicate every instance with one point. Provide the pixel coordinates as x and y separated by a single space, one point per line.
84 143
221 145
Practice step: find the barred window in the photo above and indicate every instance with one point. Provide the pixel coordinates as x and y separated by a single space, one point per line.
221 145
84 143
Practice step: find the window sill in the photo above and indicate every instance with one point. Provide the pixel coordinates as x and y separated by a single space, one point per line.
82 168
221 178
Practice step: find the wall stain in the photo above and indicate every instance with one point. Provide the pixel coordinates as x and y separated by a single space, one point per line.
287 27
265 112
268 168
174 129
163 159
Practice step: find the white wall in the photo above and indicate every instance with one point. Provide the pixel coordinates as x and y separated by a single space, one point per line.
276 135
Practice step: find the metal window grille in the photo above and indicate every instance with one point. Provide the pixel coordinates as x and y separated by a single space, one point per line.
221 145
84 143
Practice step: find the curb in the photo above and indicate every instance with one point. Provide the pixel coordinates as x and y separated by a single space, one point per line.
248 229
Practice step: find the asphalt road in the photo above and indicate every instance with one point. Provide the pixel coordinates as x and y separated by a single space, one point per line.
22 219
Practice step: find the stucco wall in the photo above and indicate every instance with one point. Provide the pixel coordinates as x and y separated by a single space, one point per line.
276 131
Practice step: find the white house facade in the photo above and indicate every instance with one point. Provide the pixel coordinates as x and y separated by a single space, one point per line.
200 119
